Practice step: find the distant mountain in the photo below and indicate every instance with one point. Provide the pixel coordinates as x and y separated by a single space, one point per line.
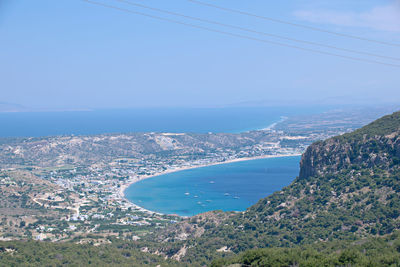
348 189
11 107
337 101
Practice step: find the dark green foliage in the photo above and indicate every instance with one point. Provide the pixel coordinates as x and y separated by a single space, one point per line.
31 253
369 252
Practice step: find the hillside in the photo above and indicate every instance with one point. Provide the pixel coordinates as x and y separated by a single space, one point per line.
348 189
33 253
381 251
102 149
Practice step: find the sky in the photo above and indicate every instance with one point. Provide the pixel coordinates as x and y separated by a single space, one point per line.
71 54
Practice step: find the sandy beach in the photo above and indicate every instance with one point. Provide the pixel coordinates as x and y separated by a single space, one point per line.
125 185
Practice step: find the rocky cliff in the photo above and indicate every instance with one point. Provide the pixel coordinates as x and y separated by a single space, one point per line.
377 144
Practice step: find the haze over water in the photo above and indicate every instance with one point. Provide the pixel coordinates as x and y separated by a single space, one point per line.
228 187
195 120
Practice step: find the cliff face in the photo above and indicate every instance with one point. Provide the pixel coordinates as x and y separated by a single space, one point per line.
368 147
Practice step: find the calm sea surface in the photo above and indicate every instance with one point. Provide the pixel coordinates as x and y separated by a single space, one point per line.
229 187
199 120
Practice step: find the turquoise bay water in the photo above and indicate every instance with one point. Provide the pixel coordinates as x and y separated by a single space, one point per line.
228 187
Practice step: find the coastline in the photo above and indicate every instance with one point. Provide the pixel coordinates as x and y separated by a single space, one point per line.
272 126
124 186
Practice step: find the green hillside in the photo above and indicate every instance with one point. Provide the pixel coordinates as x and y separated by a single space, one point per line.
370 252
348 189
33 253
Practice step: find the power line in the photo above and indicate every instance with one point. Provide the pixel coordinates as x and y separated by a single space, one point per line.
255 31
238 35
294 24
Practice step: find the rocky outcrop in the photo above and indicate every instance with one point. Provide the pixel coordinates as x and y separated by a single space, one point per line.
364 148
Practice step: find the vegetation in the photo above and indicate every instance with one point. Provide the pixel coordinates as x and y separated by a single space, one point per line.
372 252
32 253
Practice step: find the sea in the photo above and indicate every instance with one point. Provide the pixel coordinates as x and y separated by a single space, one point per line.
228 187
195 120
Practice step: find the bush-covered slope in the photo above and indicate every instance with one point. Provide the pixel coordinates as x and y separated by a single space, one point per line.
32 253
348 188
371 252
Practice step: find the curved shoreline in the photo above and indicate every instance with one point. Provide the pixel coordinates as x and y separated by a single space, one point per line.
127 184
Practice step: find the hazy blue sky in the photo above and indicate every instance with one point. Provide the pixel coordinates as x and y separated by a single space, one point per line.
71 54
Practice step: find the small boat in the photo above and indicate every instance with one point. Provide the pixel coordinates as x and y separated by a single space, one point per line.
187 193
212 182
227 194
236 197
196 196
199 203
